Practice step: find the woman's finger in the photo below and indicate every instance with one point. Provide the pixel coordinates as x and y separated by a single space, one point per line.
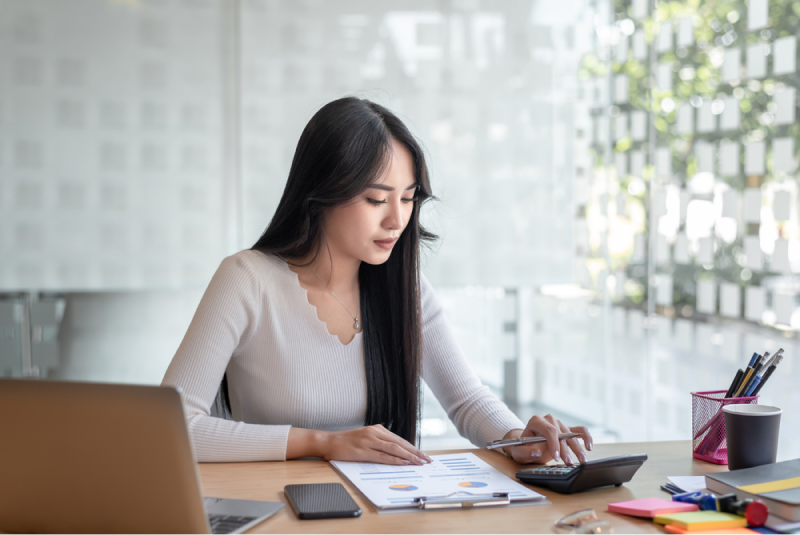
396 450
585 436
562 444
388 436
538 426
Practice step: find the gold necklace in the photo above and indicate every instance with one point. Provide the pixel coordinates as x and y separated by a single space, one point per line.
356 325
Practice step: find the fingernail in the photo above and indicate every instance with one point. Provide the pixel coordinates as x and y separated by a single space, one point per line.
557 457
590 446
420 461
536 454
583 458
408 462
429 458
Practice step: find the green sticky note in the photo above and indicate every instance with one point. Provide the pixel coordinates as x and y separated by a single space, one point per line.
698 520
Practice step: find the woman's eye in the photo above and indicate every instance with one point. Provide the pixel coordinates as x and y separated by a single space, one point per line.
375 201
412 199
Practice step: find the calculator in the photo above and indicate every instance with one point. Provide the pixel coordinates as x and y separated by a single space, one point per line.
589 475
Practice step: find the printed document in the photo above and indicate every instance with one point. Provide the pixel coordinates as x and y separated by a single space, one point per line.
456 475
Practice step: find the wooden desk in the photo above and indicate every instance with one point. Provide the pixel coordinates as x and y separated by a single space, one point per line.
265 481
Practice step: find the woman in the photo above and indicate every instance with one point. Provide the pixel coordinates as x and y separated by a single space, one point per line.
320 333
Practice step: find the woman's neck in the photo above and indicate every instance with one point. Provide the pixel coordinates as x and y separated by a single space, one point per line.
339 272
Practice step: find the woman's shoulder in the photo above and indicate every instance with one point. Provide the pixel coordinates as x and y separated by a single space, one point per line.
253 264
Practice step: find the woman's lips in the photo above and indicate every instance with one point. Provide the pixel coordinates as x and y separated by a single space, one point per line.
386 244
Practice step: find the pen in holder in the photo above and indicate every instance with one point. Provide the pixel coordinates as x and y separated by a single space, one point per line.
708 424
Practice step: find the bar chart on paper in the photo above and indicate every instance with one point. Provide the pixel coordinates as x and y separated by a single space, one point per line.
459 475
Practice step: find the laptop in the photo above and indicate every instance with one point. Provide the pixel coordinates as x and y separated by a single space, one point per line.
105 458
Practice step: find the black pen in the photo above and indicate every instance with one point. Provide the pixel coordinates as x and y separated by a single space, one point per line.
777 360
735 383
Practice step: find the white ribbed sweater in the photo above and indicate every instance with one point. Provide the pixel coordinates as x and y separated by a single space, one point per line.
285 369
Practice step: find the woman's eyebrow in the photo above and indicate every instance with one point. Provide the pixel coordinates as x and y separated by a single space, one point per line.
389 188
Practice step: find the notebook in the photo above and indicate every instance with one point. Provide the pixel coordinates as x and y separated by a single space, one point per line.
650 507
778 485
702 520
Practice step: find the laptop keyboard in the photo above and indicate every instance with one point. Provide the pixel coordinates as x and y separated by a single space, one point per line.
228 523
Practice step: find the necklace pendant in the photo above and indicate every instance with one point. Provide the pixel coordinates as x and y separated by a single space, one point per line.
356 325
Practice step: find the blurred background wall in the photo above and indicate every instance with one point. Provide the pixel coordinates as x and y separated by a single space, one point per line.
616 182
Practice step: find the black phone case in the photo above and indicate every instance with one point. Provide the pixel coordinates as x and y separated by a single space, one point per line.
321 500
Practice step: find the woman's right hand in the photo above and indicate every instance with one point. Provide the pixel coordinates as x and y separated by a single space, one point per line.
372 444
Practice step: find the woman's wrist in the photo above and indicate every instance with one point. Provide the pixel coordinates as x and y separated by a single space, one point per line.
305 443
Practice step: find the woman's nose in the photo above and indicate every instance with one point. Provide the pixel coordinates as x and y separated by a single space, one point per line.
394 219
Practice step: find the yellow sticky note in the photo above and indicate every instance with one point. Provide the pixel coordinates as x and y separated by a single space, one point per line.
702 520
725 531
772 486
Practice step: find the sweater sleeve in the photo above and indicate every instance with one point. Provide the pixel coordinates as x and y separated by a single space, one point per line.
224 323
476 412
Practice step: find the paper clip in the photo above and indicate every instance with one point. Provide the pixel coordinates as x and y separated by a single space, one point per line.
475 500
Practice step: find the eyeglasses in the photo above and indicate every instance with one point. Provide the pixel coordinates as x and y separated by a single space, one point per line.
583 522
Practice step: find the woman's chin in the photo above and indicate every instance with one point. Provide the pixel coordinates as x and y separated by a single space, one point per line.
377 258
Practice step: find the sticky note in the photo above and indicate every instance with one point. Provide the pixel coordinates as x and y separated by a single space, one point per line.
780 257
664 41
754 158
639 45
756 61
731 65
664 162
620 126
754 300
752 205
785 106
757 14
783 305
731 114
784 51
650 507
700 520
726 531
705 251
781 203
729 158
753 254
685 32
621 164
638 125
681 249
706 120
706 297
621 55
731 204
705 156
637 163
664 298
621 89
664 76
783 154
730 300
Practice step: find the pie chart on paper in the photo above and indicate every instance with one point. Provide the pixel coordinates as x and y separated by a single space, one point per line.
406 488
472 484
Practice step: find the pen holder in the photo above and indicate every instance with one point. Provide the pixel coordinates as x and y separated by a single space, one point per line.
708 424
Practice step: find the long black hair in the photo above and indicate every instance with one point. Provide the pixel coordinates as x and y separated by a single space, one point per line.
342 150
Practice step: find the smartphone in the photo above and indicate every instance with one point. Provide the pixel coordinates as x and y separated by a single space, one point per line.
321 500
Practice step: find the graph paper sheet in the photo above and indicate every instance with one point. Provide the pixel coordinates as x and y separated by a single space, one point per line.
458 474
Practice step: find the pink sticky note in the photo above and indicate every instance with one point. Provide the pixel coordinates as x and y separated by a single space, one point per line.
650 507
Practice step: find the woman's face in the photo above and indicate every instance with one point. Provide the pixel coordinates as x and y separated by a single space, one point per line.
367 227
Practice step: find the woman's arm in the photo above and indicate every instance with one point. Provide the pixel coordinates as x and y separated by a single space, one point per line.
477 413
222 326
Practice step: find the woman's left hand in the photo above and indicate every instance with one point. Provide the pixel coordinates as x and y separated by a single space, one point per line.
542 452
